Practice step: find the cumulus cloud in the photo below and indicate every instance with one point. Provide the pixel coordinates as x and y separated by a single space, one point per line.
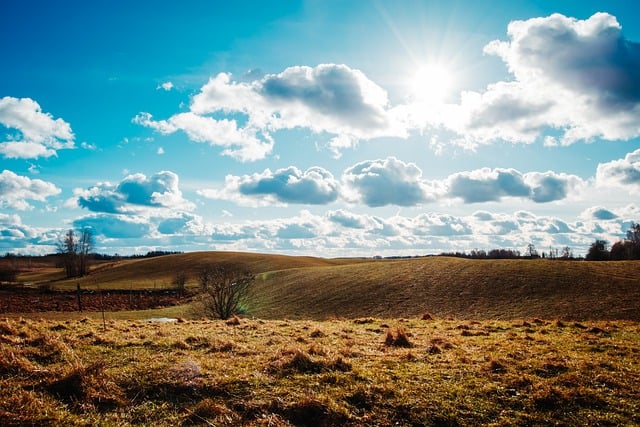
15 190
134 193
599 213
36 134
620 172
572 80
491 185
114 226
315 186
348 219
329 98
388 182
166 86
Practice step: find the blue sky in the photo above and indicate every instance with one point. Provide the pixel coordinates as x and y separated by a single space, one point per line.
326 128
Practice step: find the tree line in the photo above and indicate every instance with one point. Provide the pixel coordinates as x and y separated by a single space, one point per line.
625 249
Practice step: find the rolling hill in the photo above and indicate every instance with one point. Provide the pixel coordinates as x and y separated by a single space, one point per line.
317 288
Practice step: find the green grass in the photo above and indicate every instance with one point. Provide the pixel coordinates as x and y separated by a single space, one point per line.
286 372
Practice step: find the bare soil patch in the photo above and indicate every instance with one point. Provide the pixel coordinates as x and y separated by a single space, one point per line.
26 300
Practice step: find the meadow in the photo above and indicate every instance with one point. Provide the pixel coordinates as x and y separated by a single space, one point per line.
427 341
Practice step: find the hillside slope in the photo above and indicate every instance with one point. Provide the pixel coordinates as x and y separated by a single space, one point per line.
462 288
160 271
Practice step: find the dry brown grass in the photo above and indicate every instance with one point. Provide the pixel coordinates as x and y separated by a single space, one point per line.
449 287
438 287
534 372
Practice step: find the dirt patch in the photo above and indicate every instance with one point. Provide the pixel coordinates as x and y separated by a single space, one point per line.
24 300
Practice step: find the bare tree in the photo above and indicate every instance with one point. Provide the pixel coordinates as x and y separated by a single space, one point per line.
180 281
75 251
225 287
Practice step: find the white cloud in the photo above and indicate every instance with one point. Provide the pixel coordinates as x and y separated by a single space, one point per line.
491 185
289 185
240 143
114 226
135 193
37 134
333 99
573 80
166 86
621 172
388 182
15 190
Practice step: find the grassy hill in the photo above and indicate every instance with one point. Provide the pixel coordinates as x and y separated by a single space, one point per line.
317 288
462 288
160 271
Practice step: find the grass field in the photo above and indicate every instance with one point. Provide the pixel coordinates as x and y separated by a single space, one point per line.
425 341
357 372
320 289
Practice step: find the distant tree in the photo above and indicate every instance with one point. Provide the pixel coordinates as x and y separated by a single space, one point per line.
75 251
566 253
598 251
531 251
180 281
633 236
225 287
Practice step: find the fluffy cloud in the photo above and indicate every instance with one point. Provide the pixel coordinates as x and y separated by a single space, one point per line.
599 213
241 143
134 193
114 226
491 185
573 80
388 182
620 172
37 134
332 99
348 219
15 190
315 186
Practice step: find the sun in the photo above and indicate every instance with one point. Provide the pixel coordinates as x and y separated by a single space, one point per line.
431 83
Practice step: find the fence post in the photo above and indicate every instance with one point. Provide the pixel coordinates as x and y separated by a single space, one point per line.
79 297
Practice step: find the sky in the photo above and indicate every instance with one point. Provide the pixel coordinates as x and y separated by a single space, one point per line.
323 127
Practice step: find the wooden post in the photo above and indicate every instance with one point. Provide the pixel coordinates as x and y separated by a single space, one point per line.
79 297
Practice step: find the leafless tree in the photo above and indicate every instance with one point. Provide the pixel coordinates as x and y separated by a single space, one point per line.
225 288
75 251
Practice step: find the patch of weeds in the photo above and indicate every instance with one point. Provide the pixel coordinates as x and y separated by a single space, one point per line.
58 327
224 347
88 384
399 339
297 361
197 342
426 316
7 329
209 412
12 363
551 369
363 321
317 333
497 367
441 342
313 412
234 321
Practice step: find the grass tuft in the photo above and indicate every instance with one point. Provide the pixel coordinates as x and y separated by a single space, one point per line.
399 339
